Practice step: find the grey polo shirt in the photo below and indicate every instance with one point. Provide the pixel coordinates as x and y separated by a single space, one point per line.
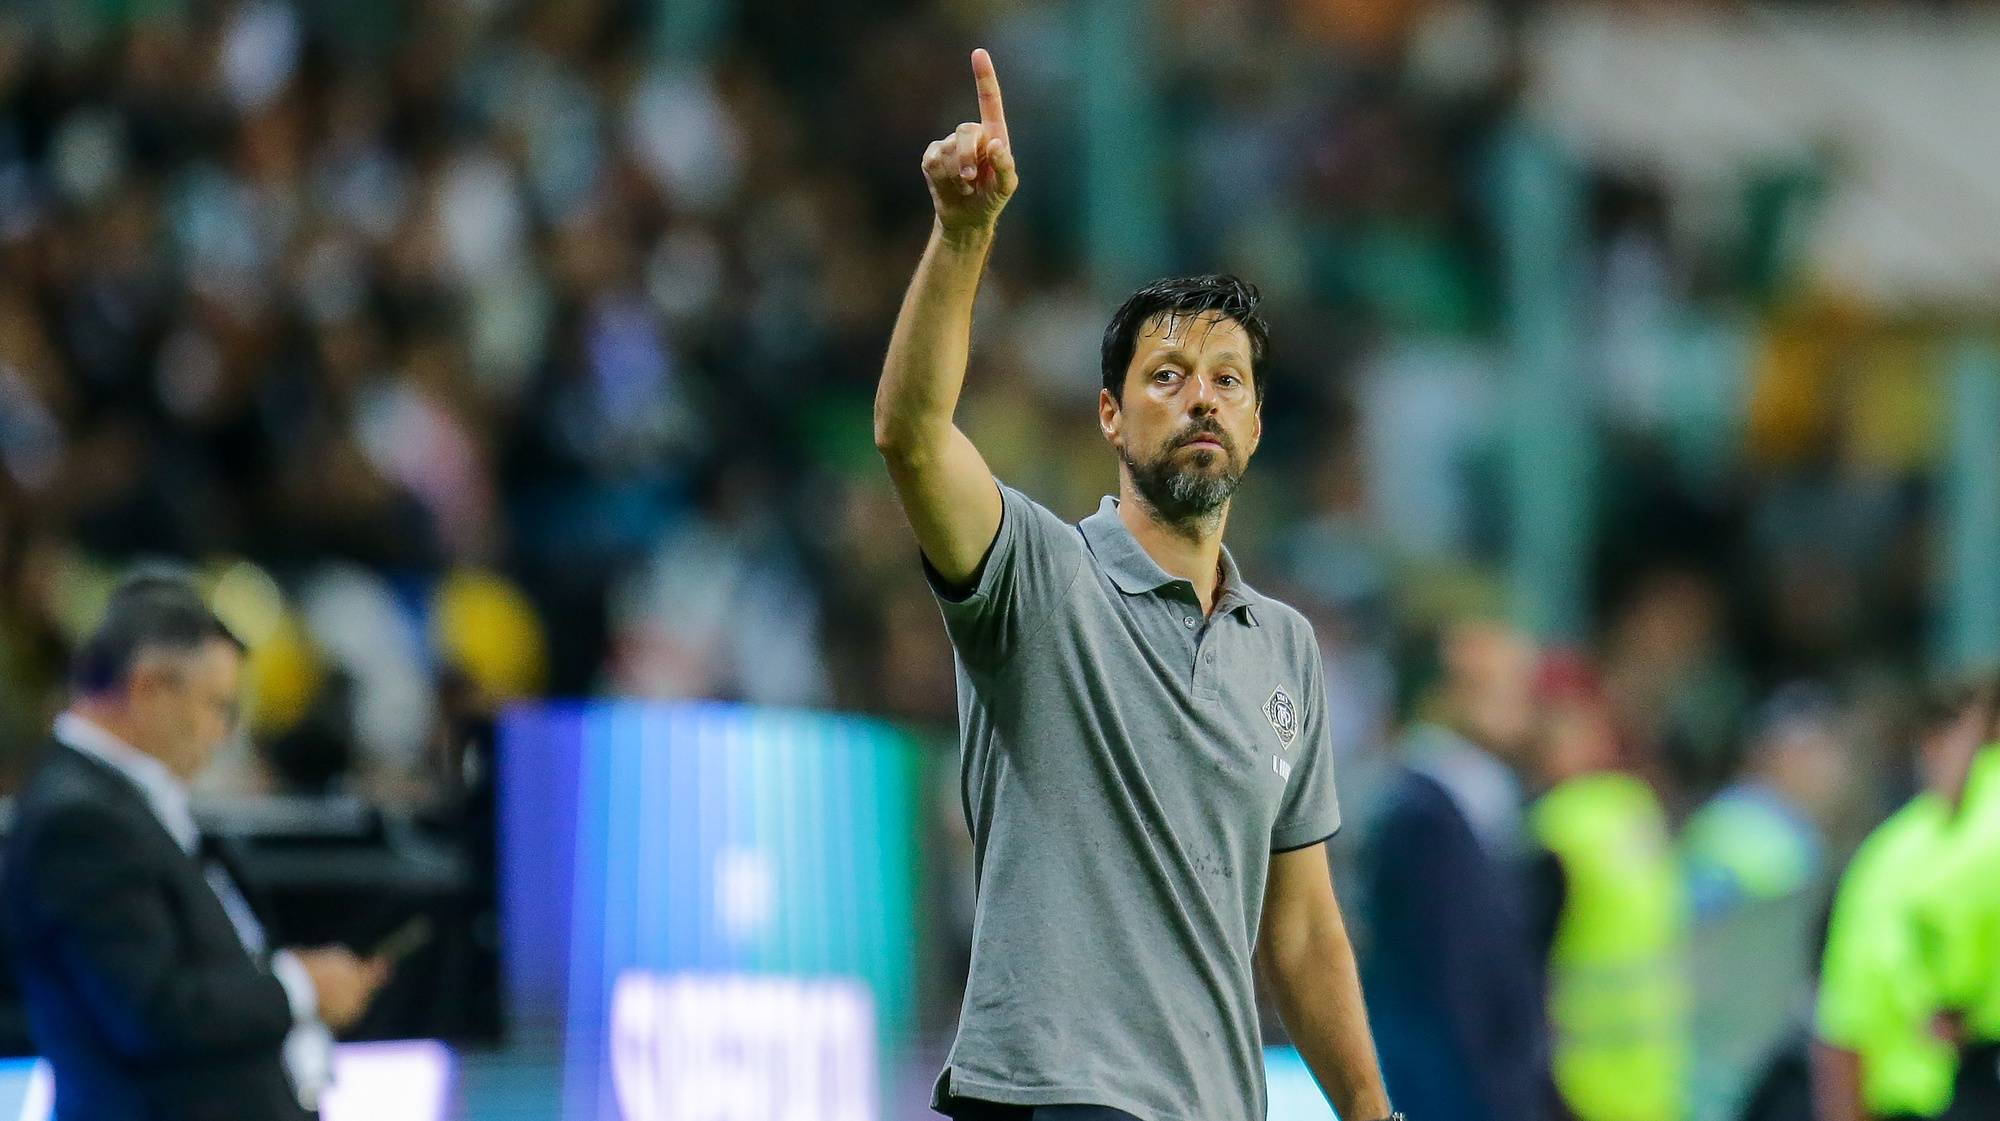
1128 767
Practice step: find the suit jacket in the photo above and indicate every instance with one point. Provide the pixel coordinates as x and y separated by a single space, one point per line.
139 991
1455 992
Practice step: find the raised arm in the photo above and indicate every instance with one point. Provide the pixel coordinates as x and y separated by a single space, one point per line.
946 488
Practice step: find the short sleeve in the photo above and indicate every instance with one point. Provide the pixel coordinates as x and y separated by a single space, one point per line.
1309 812
1034 558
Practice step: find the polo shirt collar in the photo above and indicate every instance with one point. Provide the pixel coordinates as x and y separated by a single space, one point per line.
1135 571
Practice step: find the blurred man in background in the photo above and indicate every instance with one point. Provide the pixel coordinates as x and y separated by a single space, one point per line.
1884 1050
1147 764
1457 1002
1754 857
1610 908
1760 838
1958 920
151 987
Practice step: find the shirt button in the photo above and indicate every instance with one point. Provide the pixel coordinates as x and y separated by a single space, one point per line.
1189 620
1209 658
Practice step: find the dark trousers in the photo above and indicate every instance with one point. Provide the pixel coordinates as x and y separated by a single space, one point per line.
1977 1094
968 1109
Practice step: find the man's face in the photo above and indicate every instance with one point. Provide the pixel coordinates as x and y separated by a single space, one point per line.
1491 672
185 705
1948 750
1188 420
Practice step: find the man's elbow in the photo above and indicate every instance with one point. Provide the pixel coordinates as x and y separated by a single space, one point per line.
888 435
893 436
894 449
907 445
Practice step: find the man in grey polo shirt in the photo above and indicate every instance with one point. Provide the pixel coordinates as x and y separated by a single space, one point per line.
1145 756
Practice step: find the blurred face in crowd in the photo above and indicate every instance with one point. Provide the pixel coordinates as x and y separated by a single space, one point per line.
1577 737
1807 759
1491 682
1948 747
1188 419
181 706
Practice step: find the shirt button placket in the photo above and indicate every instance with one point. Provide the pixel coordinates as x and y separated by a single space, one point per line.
1204 666
1192 623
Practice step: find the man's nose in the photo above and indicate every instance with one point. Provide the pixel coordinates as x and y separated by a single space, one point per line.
1204 399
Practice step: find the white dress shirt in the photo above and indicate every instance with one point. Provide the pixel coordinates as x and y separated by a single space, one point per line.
1483 788
308 1050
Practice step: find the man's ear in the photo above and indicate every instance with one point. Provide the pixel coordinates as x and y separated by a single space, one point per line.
1110 419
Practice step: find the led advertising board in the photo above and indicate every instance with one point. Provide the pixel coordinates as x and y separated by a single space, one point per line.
713 906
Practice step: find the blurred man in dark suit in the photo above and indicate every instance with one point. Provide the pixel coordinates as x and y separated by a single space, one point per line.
1455 989
149 984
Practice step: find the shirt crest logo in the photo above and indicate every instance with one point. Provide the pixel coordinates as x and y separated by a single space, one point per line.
1283 717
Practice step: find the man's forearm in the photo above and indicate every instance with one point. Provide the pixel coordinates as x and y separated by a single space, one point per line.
1319 997
925 367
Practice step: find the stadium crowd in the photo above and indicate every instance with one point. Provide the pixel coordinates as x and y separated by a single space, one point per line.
492 350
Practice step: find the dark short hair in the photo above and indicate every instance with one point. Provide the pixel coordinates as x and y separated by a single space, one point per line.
1221 296
151 611
1943 698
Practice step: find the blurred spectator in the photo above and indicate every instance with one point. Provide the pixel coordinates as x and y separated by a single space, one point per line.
1761 838
1884 1049
1674 684
1755 861
1958 922
1610 910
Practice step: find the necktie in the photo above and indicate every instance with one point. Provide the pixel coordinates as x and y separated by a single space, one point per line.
308 1050
221 868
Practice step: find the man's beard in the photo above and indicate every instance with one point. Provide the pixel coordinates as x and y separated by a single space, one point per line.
1188 497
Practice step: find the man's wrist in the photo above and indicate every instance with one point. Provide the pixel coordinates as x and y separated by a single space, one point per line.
967 240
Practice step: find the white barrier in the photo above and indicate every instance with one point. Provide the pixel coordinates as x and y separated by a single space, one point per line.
407 1080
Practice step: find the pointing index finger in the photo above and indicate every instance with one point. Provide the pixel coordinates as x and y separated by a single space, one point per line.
991 113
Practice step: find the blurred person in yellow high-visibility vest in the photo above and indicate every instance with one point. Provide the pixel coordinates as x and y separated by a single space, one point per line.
1614 915
1957 925
1881 1050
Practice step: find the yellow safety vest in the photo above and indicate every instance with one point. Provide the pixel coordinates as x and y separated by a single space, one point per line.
1958 908
1618 988
1877 992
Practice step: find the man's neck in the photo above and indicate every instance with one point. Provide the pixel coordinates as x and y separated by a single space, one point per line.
1193 553
110 718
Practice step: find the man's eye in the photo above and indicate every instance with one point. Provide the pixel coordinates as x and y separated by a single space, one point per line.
1230 380
1165 372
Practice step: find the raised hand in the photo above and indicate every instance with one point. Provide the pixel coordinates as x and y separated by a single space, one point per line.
971 172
